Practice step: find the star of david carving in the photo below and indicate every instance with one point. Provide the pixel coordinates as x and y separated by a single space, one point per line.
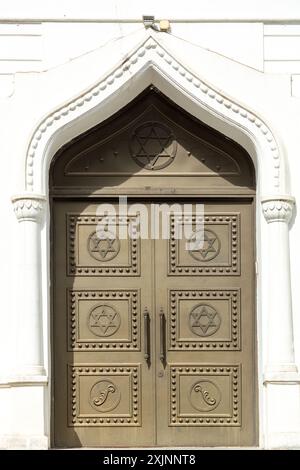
153 146
103 320
104 246
204 319
209 245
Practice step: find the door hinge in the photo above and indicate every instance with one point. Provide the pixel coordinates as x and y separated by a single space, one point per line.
256 268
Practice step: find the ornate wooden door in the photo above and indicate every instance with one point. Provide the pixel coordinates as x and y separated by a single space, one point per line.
206 392
154 342
153 339
103 387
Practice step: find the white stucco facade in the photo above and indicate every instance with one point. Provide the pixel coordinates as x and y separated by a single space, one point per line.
65 69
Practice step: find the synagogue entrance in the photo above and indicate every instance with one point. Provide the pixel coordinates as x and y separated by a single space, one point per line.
153 307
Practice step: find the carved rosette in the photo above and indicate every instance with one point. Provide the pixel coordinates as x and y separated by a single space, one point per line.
29 207
278 209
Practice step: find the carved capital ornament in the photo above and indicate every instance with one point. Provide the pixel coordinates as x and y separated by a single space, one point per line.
29 207
278 209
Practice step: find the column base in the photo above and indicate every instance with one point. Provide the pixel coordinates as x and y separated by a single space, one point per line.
23 412
21 442
30 370
282 395
284 440
282 373
281 368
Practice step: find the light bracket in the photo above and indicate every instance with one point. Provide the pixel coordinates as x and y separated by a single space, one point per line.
148 21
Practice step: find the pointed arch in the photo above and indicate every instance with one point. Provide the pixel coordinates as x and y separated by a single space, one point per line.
151 62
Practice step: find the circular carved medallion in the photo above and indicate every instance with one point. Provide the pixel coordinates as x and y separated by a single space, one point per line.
103 245
204 320
205 395
104 396
104 320
153 145
205 245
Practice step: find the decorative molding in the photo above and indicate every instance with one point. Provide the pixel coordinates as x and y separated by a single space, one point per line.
124 379
216 162
130 268
213 340
129 340
205 267
202 386
281 377
29 207
152 53
23 381
278 209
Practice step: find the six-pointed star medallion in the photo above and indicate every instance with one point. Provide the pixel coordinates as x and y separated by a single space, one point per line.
204 320
205 245
104 320
104 245
153 146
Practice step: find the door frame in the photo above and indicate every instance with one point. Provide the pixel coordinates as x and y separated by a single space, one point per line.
225 104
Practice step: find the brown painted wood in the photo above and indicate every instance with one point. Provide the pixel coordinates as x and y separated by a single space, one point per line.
99 294
120 155
206 389
153 344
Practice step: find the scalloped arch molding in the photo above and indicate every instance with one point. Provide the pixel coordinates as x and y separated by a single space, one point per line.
152 54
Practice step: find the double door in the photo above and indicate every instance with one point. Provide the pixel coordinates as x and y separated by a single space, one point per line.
154 336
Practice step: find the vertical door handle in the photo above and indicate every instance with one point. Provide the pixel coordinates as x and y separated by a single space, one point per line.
162 323
146 335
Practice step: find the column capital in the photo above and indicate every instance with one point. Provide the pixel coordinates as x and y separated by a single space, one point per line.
278 208
29 207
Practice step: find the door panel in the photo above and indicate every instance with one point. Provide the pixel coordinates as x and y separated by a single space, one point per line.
195 320
207 296
220 253
198 385
100 374
90 256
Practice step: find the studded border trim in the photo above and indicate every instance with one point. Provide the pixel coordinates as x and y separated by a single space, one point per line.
204 269
202 419
131 269
103 343
105 372
205 343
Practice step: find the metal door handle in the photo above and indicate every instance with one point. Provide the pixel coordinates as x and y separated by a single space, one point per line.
146 335
162 322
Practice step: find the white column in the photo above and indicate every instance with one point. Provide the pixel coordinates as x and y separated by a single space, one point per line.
280 346
29 210
281 378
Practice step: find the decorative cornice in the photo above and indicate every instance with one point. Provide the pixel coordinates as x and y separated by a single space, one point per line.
29 207
150 51
278 209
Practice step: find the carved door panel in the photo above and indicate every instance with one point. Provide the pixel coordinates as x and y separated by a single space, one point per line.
101 285
206 392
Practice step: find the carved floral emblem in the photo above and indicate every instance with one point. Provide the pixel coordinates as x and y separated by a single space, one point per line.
104 396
